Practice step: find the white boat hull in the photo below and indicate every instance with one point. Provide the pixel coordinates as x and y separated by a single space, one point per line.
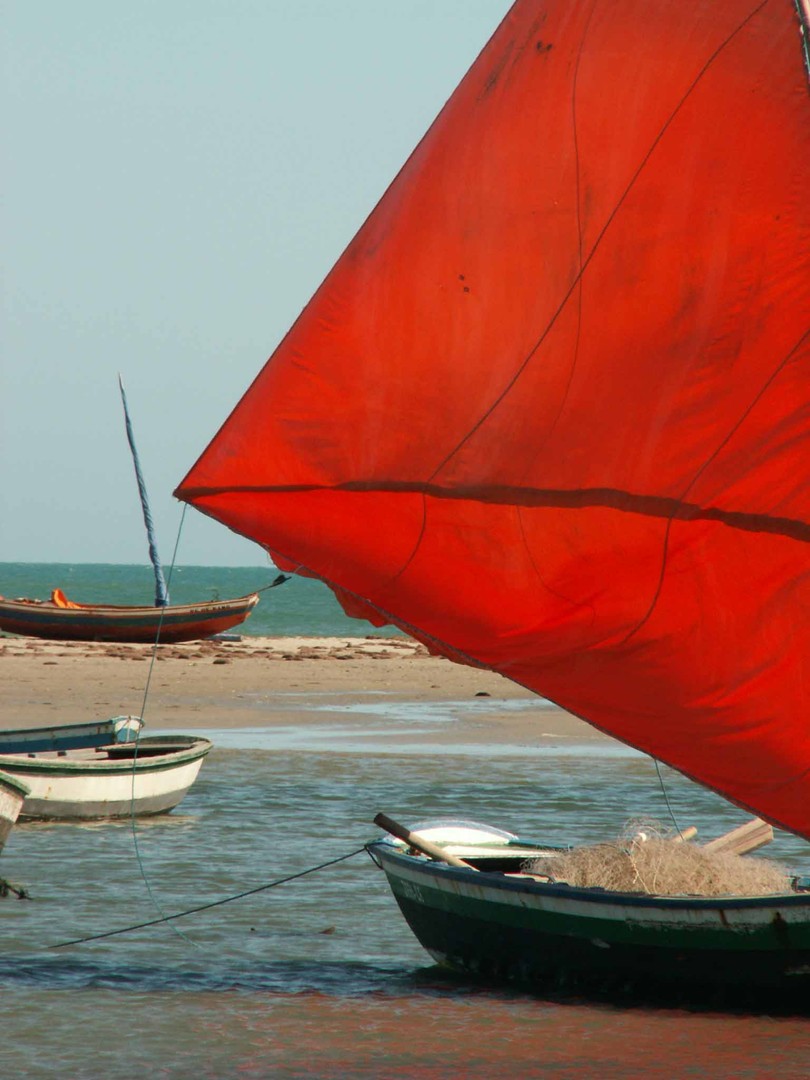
108 782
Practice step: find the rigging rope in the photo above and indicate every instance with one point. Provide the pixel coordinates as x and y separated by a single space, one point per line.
279 580
666 800
212 904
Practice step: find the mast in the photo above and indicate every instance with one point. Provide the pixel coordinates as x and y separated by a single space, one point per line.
161 592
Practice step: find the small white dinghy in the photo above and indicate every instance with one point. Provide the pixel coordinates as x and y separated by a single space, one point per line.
150 776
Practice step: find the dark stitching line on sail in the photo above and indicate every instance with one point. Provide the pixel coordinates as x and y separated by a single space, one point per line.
578 282
507 61
576 604
417 544
660 506
598 241
657 595
580 604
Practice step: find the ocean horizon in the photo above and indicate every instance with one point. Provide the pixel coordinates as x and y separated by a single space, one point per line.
300 607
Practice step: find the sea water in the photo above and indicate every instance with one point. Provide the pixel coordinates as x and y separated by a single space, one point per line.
300 607
320 976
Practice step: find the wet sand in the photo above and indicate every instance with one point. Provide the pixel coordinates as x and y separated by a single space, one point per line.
271 683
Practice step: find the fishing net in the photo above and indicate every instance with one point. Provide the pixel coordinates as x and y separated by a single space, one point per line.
648 860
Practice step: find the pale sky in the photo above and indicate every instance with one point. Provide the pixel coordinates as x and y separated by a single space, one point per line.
180 175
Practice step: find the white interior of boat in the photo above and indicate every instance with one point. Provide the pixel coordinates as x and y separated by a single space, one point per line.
472 840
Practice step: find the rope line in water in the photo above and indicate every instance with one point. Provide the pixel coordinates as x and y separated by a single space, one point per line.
6 887
132 815
279 580
212 904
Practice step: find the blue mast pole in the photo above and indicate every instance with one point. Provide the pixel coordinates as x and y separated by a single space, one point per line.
161 592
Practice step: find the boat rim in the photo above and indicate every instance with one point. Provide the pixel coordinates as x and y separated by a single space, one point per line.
387 849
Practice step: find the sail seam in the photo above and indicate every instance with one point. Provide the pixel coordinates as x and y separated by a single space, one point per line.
597 243
578 335
707 463
658 506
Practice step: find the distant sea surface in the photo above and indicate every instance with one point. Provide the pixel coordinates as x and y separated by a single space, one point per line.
300 607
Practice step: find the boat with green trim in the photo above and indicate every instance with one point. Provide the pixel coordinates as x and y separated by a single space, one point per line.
491 919
145 777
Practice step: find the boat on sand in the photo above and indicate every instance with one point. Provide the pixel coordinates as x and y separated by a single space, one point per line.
169 624
61 619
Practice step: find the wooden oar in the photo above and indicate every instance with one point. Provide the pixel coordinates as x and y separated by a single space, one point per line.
754 834
433 851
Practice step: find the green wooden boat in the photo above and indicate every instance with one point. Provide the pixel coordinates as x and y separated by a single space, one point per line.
491 920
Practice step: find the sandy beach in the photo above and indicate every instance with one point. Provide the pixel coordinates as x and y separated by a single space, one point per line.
266 682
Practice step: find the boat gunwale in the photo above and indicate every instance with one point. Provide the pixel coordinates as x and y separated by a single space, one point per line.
49 610
67 730
13 785
592 895
125 624
198 747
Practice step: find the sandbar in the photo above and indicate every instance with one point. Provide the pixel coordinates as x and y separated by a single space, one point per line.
388 686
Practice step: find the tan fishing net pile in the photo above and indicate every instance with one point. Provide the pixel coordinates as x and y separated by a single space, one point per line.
649 861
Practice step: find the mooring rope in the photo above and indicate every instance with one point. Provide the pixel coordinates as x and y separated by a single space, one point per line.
212 904
279 580
6 887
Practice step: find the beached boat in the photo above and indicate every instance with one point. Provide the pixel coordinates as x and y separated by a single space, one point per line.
149 776
60 619
118 729
12 795
548 415
109 622
490 918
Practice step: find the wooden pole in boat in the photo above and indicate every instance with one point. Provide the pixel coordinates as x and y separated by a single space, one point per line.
433 851
685 834
754 834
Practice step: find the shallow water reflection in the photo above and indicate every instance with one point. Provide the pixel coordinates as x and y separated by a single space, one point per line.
321 977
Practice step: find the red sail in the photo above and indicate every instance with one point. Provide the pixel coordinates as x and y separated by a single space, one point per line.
549 411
